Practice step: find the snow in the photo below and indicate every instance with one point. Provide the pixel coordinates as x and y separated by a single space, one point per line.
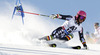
39 50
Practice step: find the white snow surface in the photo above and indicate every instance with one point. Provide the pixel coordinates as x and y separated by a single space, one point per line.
40 50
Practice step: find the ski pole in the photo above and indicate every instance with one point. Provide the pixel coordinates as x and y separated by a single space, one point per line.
35 13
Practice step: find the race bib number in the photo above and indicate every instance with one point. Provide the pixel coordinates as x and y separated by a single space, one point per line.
72 28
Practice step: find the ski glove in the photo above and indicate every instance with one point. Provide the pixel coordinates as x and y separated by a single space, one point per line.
53 16
85 46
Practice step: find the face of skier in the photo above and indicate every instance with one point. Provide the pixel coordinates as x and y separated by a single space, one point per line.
80 18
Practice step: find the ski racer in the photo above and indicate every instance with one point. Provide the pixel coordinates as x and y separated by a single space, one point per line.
96 34
71 25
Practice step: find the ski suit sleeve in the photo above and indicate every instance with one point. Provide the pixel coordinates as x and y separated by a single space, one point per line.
65 17
82 39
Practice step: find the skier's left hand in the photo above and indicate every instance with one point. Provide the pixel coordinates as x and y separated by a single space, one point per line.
53 16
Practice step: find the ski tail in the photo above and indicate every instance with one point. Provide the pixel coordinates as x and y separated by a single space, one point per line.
53 45
76 47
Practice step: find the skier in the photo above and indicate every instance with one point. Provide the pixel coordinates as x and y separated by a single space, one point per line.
96 34
71 25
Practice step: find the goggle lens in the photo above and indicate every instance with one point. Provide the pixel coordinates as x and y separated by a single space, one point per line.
82 17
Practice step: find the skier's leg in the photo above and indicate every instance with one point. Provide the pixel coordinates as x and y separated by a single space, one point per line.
62 42
47 38
66 37
52 36
60 34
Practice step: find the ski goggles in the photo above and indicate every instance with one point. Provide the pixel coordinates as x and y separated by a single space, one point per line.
82 17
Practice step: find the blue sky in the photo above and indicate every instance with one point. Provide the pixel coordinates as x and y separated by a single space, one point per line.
66 7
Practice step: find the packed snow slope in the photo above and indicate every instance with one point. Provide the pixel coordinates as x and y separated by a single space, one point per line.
38 50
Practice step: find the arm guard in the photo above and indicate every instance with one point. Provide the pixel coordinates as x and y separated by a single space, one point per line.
65 17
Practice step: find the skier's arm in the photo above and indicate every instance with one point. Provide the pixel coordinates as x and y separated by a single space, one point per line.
65 17
82 38
60 16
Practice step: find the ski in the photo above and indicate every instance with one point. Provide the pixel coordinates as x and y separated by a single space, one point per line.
74 47
53 45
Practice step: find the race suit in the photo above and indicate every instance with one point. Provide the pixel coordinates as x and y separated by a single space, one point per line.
65 31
